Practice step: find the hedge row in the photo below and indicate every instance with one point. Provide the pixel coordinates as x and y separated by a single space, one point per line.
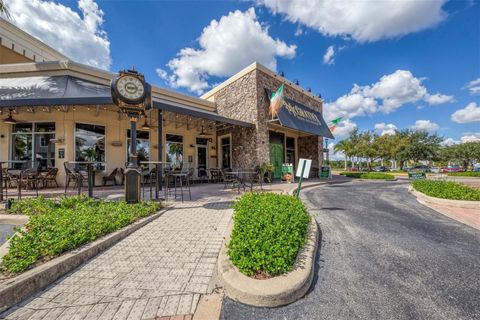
446 190
465 174
56 227
369 175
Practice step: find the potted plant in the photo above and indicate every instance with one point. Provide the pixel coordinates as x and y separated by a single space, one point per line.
266 169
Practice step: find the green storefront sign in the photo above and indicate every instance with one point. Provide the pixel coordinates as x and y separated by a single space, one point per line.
417 175
325 172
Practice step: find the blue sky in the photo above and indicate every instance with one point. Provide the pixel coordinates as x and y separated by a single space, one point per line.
421 49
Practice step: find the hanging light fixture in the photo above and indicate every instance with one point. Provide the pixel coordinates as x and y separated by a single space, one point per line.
145 124
9 119
202 133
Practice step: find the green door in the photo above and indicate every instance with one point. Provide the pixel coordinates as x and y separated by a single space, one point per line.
276 158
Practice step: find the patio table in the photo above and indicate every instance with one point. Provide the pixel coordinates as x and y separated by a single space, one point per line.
241 178
1 179
90 176
158 169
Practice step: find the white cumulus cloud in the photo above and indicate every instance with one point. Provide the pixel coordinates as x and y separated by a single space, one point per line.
385 128
474 86
79 37
386 95
335 155
438 98
471 113
449 142
226 46
364 21
328 56
344 128
471 137
424 125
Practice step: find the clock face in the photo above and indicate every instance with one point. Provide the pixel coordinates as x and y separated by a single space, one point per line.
130 88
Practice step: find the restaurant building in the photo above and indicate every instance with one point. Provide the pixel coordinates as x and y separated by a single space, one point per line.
54 110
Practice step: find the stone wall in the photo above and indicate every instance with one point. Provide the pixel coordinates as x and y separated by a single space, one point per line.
238 100
245 99
310 147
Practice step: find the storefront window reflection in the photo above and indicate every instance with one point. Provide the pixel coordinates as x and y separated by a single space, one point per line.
226 152
32 142
90 144
143 146
174 150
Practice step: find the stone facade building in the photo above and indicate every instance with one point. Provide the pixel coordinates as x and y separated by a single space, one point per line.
53 111
245 97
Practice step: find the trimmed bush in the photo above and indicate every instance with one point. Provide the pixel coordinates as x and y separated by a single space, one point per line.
465 174
369 175
56 227
352 174
377 176
269 230
446 190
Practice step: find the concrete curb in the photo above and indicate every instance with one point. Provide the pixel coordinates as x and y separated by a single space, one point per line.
272 292
14 290
445 202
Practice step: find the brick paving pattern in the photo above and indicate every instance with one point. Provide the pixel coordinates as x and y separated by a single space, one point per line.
158 271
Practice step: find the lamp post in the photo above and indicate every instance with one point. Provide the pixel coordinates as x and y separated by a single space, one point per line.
132 95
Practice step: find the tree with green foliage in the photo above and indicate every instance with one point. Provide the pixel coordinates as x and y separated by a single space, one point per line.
465 154
423 146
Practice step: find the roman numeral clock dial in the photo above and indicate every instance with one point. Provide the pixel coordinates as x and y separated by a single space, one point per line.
131 93
130 88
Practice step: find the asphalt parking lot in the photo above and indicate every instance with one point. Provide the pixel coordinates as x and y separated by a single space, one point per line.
383 255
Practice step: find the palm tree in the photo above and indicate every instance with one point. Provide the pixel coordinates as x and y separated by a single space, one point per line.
4 9
344 146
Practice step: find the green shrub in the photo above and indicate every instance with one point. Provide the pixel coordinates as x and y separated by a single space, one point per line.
446 190
57 227
351 174
465 174
369 175
377 176
269 230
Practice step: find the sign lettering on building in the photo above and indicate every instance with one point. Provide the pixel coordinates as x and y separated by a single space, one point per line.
301 114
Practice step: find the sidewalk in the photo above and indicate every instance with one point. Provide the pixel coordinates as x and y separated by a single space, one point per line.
159 270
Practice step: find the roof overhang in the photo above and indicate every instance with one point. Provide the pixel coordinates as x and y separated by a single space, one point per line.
62 90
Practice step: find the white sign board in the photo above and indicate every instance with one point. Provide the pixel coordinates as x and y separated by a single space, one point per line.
306 172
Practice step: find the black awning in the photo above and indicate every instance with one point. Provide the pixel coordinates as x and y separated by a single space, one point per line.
296 116
196 112
52 90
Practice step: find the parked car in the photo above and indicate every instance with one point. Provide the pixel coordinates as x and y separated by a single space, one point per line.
380 169
435 169
476 168
452 168
422 168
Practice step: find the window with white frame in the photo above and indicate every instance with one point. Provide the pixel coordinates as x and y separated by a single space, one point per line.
174 150
225 152
90 144
33 142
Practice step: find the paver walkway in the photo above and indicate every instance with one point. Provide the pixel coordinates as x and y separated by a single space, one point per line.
159 270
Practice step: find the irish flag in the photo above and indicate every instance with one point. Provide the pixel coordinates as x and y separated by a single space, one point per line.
276 101
334 123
